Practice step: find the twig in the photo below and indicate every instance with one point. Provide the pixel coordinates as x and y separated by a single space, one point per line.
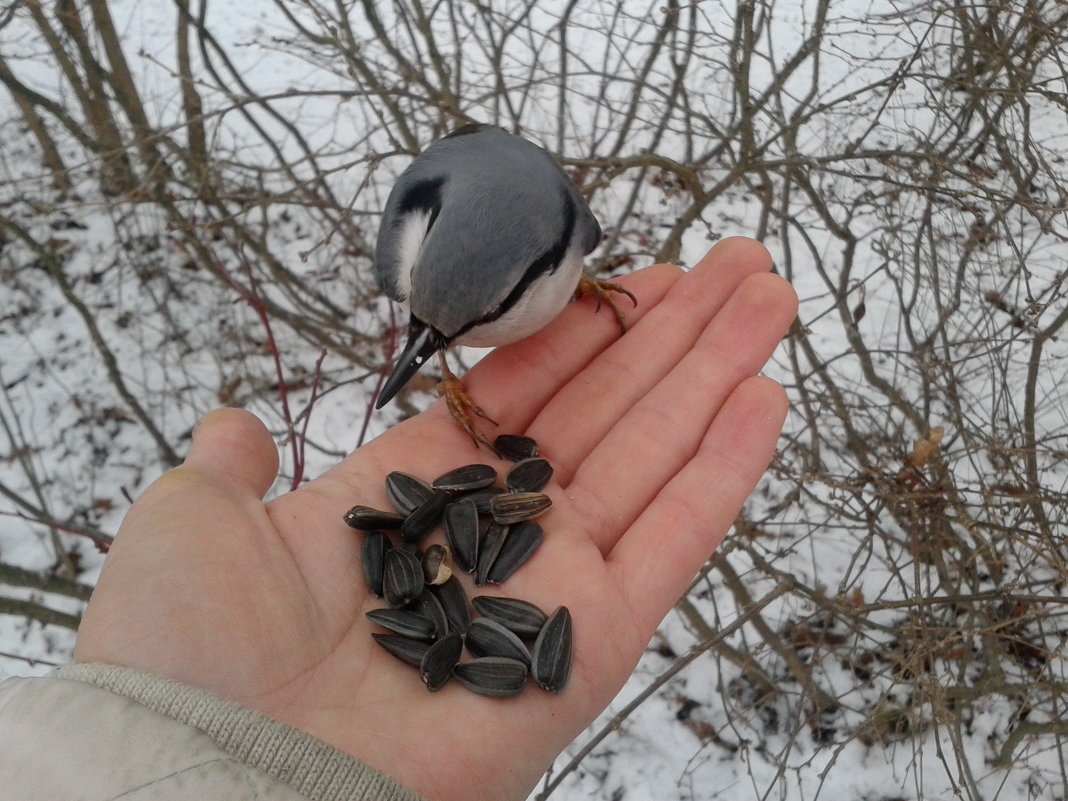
101 540
680 664
32 661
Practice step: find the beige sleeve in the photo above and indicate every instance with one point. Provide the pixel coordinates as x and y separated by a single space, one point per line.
99 731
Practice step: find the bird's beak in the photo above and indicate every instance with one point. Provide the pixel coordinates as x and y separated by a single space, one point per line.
423 342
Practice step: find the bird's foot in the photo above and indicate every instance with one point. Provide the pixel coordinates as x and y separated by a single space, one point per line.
460 405
600 290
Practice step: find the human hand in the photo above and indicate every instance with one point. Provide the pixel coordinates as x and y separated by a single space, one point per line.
657 438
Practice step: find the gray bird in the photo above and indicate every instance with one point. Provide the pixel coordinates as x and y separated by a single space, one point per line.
482 239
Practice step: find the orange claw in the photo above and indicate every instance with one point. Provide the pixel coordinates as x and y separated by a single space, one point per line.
460 405
600 290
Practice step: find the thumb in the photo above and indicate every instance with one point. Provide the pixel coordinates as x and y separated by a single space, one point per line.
234 449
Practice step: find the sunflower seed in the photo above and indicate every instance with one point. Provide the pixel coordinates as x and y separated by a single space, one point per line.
402 580
492 675
365 518
408 651
529 475
439 660
428 605
462 533
491 545
521 542
515 507
522 617
515 447
403 622
373 559
406 492
550 659
482 498
454 601
424 518
487 637
436 568
466 478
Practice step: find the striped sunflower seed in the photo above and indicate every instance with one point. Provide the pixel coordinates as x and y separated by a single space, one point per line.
522 617
373 559
483 497
428 605
425 517
403 622
489 550
408 651
529 475
487 637
550 659
406 492
402 580
454 601
466 478
365 518
515 507
515 447
439 660
521 542
462 533
495 676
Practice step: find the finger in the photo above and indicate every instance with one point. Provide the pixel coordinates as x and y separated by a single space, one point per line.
514 382
234 449
654 439
589 407
658 557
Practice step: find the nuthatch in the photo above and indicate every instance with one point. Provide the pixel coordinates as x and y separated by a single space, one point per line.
482 238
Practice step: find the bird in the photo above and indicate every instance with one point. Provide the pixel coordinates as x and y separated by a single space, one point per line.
482 240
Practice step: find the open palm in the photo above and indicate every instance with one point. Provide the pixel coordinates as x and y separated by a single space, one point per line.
657 437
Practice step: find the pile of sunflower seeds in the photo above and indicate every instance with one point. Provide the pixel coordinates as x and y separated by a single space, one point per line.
489 532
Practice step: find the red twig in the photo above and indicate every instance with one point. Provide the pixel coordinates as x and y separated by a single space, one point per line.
101 540
302 440
254 299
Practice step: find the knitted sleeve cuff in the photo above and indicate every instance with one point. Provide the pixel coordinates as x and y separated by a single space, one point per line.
309 766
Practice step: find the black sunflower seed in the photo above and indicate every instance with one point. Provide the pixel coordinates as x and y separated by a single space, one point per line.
439 660
454 601
408 651
462 533
487 637
522 617
406 492
522 540
515 507
373 559
466 478
428 605
425 517
529 475
403 622
492 675
366 519
550 659
515 447
490 549
402 580
482 498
